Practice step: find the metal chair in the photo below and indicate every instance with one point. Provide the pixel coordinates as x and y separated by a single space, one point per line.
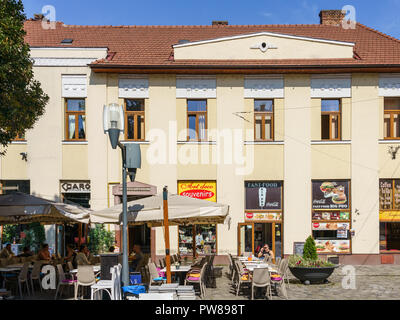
261 279
85 278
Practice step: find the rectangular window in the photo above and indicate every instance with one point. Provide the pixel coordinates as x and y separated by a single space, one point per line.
330 119
134 119
75 119
264 120
197 120
392 118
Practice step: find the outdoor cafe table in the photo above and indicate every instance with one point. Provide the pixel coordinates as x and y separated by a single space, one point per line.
96 269
179 272
263 265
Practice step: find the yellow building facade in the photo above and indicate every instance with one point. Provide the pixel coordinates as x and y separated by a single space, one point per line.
292 153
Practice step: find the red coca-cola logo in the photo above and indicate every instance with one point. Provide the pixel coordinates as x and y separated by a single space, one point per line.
198 194
316 225
249 215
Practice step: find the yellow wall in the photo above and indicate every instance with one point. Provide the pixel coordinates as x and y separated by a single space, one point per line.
12 165
75 162
331 161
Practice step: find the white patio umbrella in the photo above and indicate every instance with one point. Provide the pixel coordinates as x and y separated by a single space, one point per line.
181 210
21 208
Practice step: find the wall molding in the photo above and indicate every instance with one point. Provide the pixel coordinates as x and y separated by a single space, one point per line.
389 85
62 62
263 87
74 86
133 87
196 87
338 86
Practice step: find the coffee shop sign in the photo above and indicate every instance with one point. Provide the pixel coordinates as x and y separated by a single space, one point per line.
75 187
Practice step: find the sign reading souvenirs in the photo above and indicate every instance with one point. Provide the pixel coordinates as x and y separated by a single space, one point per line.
330 194
204 190
263 195
75 187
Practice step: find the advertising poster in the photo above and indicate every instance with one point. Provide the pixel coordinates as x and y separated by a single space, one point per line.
330 194
333 246
204 190
274 216
263 195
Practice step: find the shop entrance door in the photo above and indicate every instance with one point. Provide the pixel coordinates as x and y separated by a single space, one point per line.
252 236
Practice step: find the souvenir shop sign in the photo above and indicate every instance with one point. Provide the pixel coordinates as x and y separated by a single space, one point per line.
263 195
204 190
330 194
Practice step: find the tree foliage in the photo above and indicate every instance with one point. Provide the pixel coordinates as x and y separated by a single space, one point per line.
35 236
100 240
310 250
9 233
22 101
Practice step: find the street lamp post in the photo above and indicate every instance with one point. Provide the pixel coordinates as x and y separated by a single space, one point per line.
113 118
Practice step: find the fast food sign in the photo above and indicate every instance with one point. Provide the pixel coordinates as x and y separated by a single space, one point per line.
204 190
328 194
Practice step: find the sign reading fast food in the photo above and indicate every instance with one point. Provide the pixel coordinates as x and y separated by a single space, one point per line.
263 195
204 190
330 194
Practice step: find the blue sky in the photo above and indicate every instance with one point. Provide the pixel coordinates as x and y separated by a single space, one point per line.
382 15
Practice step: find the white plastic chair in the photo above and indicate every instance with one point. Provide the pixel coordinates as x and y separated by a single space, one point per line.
35 274
62 281
85 278
23 278
112 287
261 279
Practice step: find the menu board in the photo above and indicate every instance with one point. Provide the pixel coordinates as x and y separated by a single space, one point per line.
330 226
396 195
385 194
318 215
330 194
263 195
298 248
275 216
333 246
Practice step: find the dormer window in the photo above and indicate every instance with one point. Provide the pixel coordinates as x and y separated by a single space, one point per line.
67 41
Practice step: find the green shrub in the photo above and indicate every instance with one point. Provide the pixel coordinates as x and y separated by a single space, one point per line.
310 250
299 261
100 240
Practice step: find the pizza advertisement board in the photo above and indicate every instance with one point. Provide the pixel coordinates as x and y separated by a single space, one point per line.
330 194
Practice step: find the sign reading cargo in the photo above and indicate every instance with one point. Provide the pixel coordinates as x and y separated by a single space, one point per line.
205 190
263 195
330 194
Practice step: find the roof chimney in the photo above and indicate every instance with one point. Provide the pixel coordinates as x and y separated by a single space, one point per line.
219 23
331 17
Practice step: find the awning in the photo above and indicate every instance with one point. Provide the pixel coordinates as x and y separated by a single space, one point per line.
21 208
181 210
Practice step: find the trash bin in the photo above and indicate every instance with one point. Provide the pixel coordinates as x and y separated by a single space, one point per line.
107 261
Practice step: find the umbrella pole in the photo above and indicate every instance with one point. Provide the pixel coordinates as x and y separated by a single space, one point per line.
166 232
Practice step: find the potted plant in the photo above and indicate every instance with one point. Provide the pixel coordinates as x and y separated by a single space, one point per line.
309 268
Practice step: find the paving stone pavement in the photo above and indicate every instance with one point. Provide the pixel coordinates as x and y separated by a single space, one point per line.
371 283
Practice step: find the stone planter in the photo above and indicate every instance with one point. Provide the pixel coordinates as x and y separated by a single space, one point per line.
312 275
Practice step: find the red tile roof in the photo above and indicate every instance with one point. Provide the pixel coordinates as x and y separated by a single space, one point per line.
151 46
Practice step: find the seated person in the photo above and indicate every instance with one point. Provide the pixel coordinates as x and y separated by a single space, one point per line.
71 255
111 249
6 253
26 253
82 258
265 251
44 253
136 258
